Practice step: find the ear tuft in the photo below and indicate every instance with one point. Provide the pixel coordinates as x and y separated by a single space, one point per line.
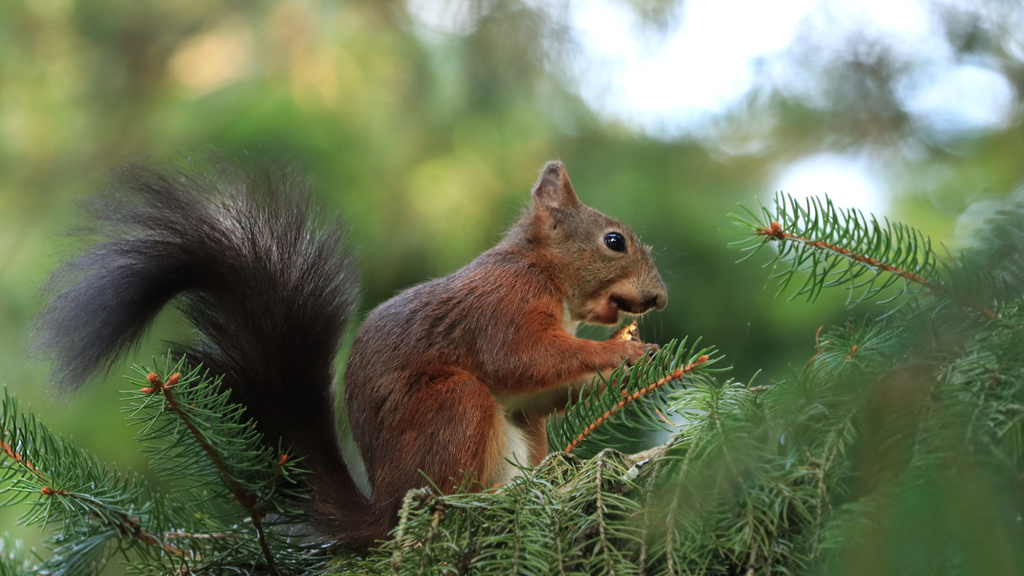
553 190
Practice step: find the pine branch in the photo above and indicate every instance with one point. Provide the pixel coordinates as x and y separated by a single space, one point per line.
841 247
241 496
235 501
62 485
204 444
628 398
634 397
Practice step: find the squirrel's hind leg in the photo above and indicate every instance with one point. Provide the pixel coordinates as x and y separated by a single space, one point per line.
451 431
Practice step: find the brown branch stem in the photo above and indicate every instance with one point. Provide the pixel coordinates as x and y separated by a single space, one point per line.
242 497
675 375
128 526
19 459
776 232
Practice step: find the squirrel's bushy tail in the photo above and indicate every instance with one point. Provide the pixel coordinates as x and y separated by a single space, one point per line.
268 288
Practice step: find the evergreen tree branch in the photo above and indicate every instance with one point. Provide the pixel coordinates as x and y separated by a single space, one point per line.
14 560
241 495
774 231
631 397
839 247
233 484
602 540
72 488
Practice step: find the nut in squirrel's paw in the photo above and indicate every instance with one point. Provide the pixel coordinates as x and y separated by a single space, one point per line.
631 333
627 332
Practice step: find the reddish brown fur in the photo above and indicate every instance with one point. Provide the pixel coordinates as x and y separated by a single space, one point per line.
441 373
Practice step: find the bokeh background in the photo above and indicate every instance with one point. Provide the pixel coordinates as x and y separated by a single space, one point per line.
425 122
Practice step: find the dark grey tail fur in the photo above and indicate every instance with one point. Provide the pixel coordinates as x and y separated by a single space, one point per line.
268 289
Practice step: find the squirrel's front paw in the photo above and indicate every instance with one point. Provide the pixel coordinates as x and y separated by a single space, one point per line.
632 351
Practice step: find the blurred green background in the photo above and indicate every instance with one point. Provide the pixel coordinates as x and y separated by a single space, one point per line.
425 123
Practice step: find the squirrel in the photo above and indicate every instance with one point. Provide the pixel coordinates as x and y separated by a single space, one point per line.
448 380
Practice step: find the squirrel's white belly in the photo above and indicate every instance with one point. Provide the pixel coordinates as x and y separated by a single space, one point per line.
516 450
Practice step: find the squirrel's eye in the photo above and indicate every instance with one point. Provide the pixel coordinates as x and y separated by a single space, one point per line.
615 241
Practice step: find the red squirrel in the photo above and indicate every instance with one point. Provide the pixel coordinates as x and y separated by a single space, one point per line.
448 380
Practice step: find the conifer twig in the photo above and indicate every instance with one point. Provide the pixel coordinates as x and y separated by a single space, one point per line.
19 459
675 375
775 231
841 247
126 525
242 497
716 417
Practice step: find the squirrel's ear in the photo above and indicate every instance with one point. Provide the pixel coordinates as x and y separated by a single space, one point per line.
553 190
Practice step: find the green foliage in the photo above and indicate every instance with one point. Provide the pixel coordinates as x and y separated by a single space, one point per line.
208 448
633 396
91 504
564 516
231 505
991 271
840 247
897 448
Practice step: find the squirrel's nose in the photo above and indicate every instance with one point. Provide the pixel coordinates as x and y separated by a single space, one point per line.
655 300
